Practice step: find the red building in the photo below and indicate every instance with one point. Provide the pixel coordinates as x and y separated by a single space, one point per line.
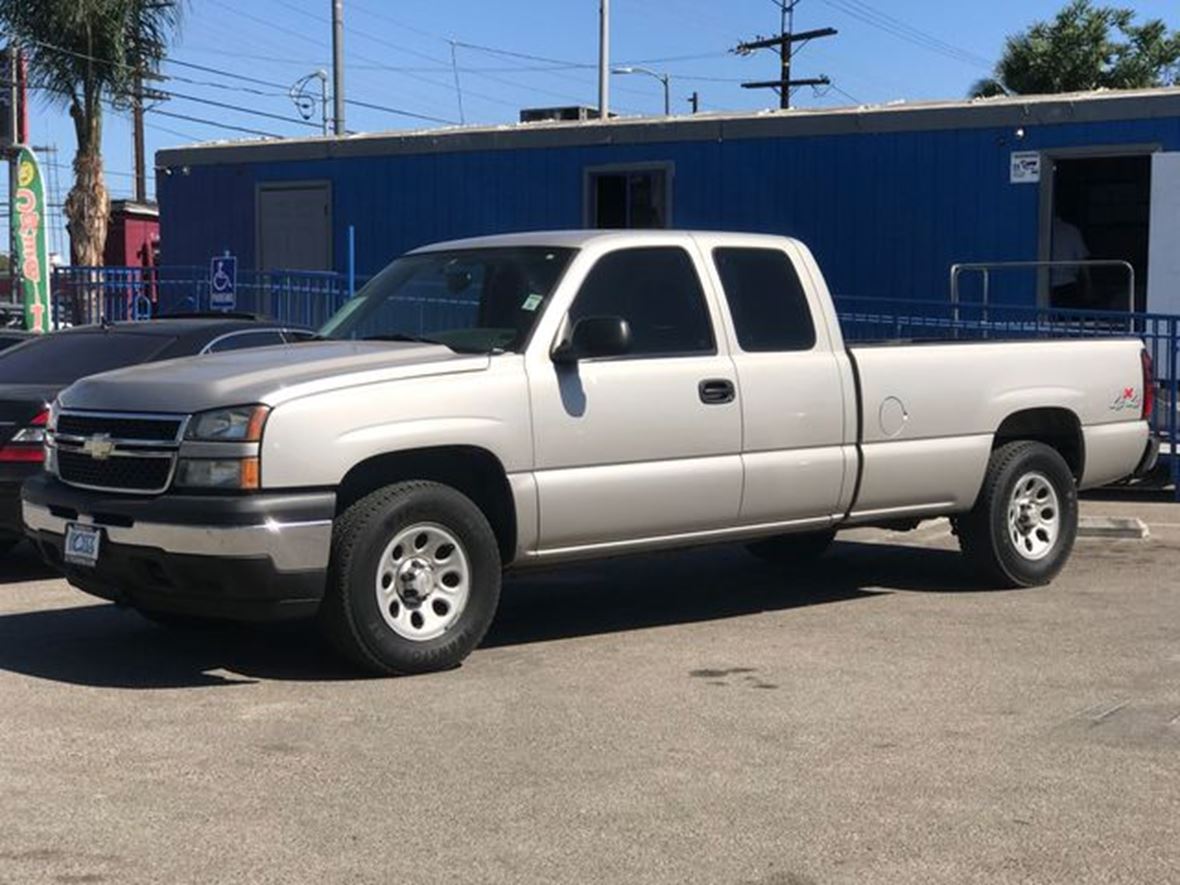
133 238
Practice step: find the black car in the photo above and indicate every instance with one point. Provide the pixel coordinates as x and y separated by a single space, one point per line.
11 337
34 371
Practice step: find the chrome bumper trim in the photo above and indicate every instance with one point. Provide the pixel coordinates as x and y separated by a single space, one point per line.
1151 456
291 546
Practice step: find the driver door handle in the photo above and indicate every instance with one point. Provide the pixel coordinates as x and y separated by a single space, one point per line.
716 391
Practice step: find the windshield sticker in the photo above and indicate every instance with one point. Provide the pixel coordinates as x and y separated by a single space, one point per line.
532 302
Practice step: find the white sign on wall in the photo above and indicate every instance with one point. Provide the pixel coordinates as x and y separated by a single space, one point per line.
1025 168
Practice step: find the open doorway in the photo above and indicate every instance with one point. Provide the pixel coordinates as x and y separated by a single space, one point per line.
628 197
1101 210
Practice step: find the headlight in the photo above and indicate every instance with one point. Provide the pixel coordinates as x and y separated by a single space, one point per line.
237 424
219 473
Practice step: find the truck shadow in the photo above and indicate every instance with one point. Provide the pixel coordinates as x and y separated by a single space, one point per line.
22 563
103 646
632 593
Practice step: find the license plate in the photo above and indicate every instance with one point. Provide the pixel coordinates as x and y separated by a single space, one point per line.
82 542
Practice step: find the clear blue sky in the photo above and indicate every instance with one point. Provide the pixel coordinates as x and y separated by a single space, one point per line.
398 55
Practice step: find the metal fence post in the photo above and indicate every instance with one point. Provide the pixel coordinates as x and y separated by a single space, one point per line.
351 260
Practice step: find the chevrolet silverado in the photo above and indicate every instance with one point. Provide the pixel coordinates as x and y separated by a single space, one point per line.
528 399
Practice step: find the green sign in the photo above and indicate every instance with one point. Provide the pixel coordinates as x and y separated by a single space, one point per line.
31 262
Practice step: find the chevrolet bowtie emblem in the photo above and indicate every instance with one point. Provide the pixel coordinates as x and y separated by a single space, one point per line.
99 446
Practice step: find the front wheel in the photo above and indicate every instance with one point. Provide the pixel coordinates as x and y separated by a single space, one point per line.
414 579
1023 526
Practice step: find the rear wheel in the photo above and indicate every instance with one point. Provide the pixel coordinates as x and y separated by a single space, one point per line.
1023 526
8 542
799 548
414 579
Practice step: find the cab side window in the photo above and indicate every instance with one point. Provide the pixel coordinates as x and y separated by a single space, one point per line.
766 300
657 291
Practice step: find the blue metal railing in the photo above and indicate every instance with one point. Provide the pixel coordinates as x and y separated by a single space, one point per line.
309 298
866 320
91 294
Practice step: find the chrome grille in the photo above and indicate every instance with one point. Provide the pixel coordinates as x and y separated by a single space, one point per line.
117 452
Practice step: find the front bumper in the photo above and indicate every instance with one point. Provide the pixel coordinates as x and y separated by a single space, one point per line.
246 557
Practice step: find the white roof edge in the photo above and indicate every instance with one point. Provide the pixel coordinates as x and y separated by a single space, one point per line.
579 238
900 107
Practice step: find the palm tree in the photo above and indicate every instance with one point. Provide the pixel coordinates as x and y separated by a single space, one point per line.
84 54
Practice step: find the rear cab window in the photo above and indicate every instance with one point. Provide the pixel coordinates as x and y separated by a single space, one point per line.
766 300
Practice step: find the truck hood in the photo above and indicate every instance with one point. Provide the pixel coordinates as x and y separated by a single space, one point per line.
269 375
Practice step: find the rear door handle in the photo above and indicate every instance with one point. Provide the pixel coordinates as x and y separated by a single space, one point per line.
716 391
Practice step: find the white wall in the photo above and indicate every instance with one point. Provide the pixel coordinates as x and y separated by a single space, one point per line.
1163 265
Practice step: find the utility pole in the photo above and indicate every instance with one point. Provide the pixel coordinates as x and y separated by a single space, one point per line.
695 101
785 45
338 66
603 59
137 135
139 93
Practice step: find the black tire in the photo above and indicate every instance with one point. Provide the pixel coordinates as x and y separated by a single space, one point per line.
350 615
794 549
176 621
8 542
985 533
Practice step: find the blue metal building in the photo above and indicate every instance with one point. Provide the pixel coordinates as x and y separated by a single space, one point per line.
888 197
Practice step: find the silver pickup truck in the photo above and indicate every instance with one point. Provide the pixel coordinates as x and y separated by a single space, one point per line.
564 396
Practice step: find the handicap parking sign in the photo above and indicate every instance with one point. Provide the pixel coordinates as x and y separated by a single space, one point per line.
223 282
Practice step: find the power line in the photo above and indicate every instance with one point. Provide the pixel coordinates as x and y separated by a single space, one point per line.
376 62
273 59
187 136
214 123
244 78
867 14
851 98
239 108
447 64
161 94
285 93
53 164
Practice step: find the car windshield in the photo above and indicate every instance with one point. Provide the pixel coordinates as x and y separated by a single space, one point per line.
471 300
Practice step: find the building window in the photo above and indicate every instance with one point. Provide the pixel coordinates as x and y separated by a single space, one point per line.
628 198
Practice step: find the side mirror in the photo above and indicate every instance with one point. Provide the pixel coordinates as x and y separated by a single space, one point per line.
594 337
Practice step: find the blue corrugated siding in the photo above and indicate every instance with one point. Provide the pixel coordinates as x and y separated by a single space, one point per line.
886 214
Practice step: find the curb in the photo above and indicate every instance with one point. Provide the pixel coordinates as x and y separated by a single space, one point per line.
1113 528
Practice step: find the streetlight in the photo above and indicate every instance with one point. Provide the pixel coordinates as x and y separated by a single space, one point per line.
663 78
305 103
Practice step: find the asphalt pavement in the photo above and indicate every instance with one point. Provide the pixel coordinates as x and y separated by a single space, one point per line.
681 718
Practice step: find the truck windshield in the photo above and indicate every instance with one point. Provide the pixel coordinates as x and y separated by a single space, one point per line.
473 300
